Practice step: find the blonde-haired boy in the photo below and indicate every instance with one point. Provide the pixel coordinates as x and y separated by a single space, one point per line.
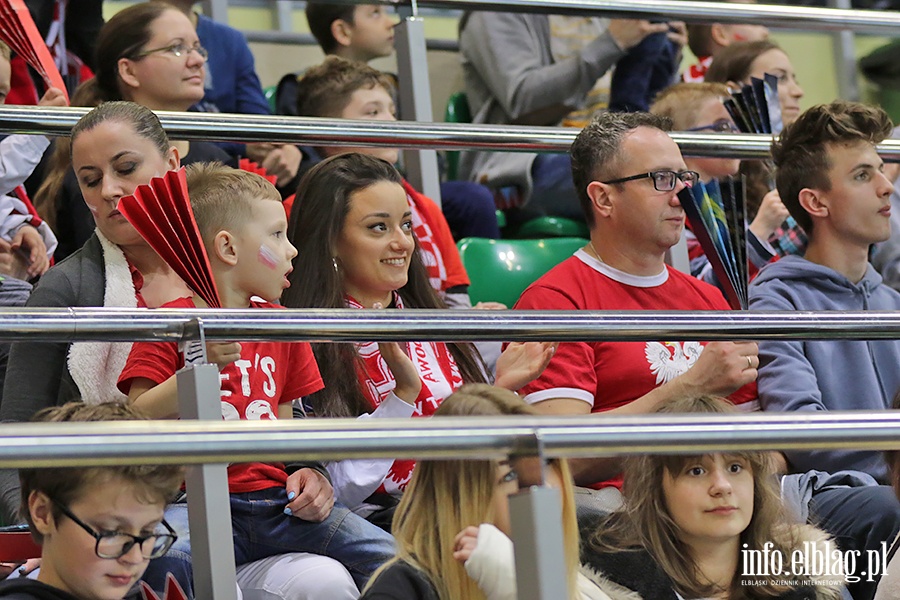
275 508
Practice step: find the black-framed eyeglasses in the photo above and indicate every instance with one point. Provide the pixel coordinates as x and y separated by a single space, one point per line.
663 181
116 544
719 126
178 50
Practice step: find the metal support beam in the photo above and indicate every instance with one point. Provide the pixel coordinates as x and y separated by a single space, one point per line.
217 10
284 16
538 542
209 511
677 256
844 45
415 102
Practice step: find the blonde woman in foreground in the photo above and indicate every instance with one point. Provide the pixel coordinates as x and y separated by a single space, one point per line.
452 524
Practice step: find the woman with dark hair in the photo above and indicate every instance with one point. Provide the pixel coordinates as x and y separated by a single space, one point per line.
689 520
352 227
147 53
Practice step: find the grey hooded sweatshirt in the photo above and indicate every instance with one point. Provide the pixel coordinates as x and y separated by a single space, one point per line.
826 375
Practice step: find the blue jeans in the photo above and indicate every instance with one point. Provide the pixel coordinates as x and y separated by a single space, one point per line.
469 209
860 519
261 529
640 75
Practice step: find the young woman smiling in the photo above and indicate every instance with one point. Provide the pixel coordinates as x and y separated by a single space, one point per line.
352 227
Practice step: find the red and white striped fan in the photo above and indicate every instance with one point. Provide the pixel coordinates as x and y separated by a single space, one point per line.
161 213
18 30
173 590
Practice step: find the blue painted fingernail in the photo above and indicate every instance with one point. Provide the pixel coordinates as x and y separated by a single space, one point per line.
292 495
287 511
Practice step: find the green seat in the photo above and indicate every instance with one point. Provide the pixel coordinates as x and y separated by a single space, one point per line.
551 227
457 112
500 270
270 93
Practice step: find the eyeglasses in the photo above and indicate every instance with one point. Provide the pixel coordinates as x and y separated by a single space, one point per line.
116 544
719 126
178 50
663 181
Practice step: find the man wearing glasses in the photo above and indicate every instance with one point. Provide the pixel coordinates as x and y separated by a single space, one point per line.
628 172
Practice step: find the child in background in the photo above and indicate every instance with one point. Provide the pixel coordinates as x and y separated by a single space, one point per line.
97 526
26 242
275 508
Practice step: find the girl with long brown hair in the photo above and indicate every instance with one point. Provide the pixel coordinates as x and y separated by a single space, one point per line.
690 521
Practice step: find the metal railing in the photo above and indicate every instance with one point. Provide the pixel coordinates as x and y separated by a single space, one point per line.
795 17
334 325
190 442
406 134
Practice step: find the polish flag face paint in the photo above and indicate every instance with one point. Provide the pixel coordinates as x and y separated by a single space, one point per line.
267 257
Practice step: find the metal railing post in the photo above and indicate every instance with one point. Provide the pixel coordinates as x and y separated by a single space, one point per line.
415 102
535 514
845 57
538 541
209 509
217 10
677 256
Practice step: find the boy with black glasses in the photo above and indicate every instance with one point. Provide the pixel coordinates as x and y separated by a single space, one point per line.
98 526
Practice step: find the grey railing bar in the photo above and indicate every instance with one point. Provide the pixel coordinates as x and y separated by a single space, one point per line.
307 39
771 15
406 134
349 325
820 19
192 442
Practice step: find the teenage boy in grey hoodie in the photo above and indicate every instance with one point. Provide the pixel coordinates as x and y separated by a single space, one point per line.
831 179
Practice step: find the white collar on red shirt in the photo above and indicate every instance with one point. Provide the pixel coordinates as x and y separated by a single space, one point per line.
641 281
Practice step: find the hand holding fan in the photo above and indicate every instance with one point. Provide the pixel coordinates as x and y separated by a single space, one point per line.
161 213
18 30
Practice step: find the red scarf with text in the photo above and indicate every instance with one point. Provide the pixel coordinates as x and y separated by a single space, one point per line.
440 378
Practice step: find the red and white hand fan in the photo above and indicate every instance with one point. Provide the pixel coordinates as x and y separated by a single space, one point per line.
173 590
245 164
161 213
18 30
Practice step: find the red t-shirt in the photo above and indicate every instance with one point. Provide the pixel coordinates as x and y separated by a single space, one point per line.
438 251
608 375
267 374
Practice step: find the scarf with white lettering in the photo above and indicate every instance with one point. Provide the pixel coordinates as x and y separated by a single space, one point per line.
440 378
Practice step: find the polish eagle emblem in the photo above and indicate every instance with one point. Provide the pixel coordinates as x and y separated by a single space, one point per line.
668 360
